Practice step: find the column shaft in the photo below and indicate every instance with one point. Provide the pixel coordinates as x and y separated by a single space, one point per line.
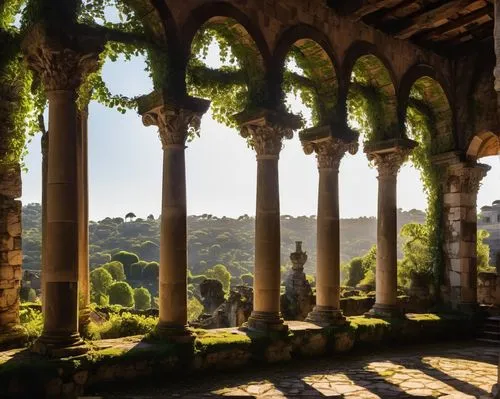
83 220
267 277
173 247
328 241
61 273
45 167
386 271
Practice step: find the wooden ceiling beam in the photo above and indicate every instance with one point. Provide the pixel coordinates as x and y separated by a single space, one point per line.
477 33
426 19
456 23
359 8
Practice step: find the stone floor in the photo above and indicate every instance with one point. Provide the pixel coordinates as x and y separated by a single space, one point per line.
464 370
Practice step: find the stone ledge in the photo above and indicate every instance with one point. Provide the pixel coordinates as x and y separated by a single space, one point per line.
115 360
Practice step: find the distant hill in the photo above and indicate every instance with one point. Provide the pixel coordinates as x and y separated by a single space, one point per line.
211 240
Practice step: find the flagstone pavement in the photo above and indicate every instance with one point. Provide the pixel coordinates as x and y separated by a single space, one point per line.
456 370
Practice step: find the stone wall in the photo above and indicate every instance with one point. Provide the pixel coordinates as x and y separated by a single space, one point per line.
488 290
10 255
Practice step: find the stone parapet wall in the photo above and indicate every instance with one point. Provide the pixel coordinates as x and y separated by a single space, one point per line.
125 360
10 252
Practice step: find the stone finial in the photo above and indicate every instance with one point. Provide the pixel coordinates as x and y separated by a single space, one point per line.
299 257
329 151
60 66
174 124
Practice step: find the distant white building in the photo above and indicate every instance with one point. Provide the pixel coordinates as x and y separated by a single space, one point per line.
489 220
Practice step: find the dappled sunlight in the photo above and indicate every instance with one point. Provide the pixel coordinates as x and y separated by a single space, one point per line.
471 372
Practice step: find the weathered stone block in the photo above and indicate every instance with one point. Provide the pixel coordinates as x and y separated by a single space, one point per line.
455 279
8 297
6 272
15 257
6 242
10 182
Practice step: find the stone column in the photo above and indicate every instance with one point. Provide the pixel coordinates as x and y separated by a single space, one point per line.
174 124
83 220
460 186
329 152
265 133
61 70
11 333
45 156
388 161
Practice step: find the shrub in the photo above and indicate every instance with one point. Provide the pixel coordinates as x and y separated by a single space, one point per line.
126 259
101 279
27 294
195 309
142 298
115 268
355 271
121 293
220 273
32 320
151 272
124 325
136 270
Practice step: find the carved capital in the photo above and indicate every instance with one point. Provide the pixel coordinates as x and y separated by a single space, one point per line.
60 66
266 139
329 152
389 163
466 179
174 124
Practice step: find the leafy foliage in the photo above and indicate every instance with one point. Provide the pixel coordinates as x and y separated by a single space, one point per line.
120 293
142 298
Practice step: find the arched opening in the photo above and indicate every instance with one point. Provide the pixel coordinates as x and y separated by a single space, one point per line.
485 149
429 123
228 67
309 88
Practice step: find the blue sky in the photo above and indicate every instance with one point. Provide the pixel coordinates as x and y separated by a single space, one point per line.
125 166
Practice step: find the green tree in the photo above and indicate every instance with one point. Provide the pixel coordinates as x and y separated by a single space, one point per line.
417 255
115 268
130 216
355 271
136 270
369 262
121 293
100 280
142 298
220 273
195 309
151 271
126 259
483 252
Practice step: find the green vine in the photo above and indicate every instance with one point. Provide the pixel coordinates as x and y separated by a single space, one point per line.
239 84
421 126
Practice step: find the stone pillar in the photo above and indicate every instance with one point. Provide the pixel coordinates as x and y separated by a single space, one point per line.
83 220
265 133
174 124
45 157
329 152
388 159
61 70
11 333
460 186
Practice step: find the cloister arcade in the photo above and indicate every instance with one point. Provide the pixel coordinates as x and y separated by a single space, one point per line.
345 61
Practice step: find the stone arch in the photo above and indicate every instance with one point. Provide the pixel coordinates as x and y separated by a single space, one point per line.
422 88
218 13
482 145
367 72
318 62
243 37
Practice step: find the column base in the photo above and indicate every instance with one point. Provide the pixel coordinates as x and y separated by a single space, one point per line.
326 316
58 345
265 322
385 311
173 333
